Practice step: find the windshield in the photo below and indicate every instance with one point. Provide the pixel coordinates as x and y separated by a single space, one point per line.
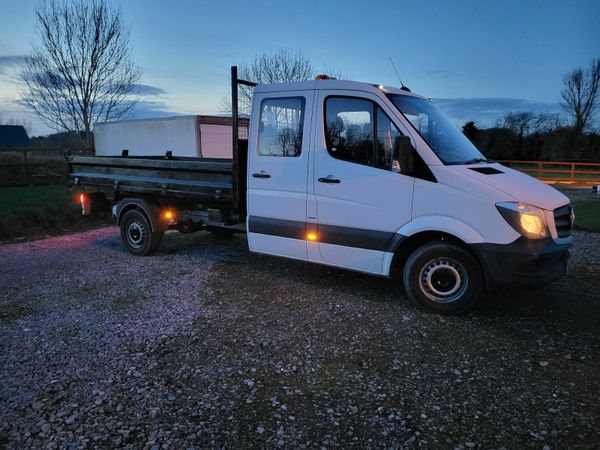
444 138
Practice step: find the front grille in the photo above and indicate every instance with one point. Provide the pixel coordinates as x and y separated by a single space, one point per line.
562 220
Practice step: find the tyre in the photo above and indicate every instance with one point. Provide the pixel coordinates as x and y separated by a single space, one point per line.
443 277
137 235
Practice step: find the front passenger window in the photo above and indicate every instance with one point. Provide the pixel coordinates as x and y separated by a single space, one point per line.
357 130
348 125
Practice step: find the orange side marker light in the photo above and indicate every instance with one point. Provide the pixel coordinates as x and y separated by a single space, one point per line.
311 236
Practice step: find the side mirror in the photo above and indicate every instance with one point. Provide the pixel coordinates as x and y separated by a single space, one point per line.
404 153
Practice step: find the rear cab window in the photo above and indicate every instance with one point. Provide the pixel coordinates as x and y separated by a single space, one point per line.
281 126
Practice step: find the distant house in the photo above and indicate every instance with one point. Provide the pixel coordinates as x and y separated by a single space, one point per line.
13 136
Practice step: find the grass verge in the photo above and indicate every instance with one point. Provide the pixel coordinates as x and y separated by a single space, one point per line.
587 215
35 211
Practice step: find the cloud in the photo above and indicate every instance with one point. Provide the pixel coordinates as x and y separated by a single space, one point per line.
12 59
8 62
152 101
151 104
486 111
147 90
149 109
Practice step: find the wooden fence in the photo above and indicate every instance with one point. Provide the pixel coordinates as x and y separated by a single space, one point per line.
29 166
582 173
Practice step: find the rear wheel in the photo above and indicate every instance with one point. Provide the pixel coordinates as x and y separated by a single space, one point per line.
137 235
443 277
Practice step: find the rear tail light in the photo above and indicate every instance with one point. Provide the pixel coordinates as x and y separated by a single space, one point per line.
86 204
169 216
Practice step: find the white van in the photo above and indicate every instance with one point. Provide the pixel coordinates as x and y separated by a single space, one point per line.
450 220
362 177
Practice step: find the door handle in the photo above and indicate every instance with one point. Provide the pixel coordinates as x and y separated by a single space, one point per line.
329 179
261 174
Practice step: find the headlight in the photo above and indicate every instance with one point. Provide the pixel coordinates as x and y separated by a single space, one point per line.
528 220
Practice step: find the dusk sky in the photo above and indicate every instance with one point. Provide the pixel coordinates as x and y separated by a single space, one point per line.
476 59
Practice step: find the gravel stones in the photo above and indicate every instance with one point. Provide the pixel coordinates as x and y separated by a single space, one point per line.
208 346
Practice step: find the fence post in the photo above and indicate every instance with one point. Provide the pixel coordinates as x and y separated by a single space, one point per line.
572 171
25 168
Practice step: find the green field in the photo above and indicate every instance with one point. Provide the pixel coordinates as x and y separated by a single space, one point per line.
34 210
31 212
587 215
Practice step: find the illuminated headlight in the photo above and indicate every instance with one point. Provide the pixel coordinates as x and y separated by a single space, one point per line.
528 220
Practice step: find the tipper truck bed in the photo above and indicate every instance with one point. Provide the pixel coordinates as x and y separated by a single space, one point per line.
206 180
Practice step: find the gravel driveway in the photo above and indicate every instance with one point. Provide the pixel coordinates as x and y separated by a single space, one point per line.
208 346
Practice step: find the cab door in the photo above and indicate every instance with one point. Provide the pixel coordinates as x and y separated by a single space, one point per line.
277 173
361 198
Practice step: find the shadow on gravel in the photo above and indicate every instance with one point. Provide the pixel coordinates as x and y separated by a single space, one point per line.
573 296
12 311
112 242
329 342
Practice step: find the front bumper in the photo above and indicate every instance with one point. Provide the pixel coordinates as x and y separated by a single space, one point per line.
523 263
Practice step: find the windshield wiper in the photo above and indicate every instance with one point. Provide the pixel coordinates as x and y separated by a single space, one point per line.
478 160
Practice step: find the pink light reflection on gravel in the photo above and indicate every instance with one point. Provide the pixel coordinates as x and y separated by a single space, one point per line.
57 243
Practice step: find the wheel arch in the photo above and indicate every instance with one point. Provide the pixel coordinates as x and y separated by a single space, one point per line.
148 208
408 244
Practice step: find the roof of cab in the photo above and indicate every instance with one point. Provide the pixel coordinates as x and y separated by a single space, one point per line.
312 85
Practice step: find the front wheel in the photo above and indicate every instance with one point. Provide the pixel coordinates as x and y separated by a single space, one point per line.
137 235
443 278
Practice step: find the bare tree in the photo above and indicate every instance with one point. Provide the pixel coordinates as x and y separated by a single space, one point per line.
520 123
580 95
546 122
279 66
81 70
276 67
524 123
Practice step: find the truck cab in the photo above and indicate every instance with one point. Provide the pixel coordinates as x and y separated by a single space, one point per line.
376 179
